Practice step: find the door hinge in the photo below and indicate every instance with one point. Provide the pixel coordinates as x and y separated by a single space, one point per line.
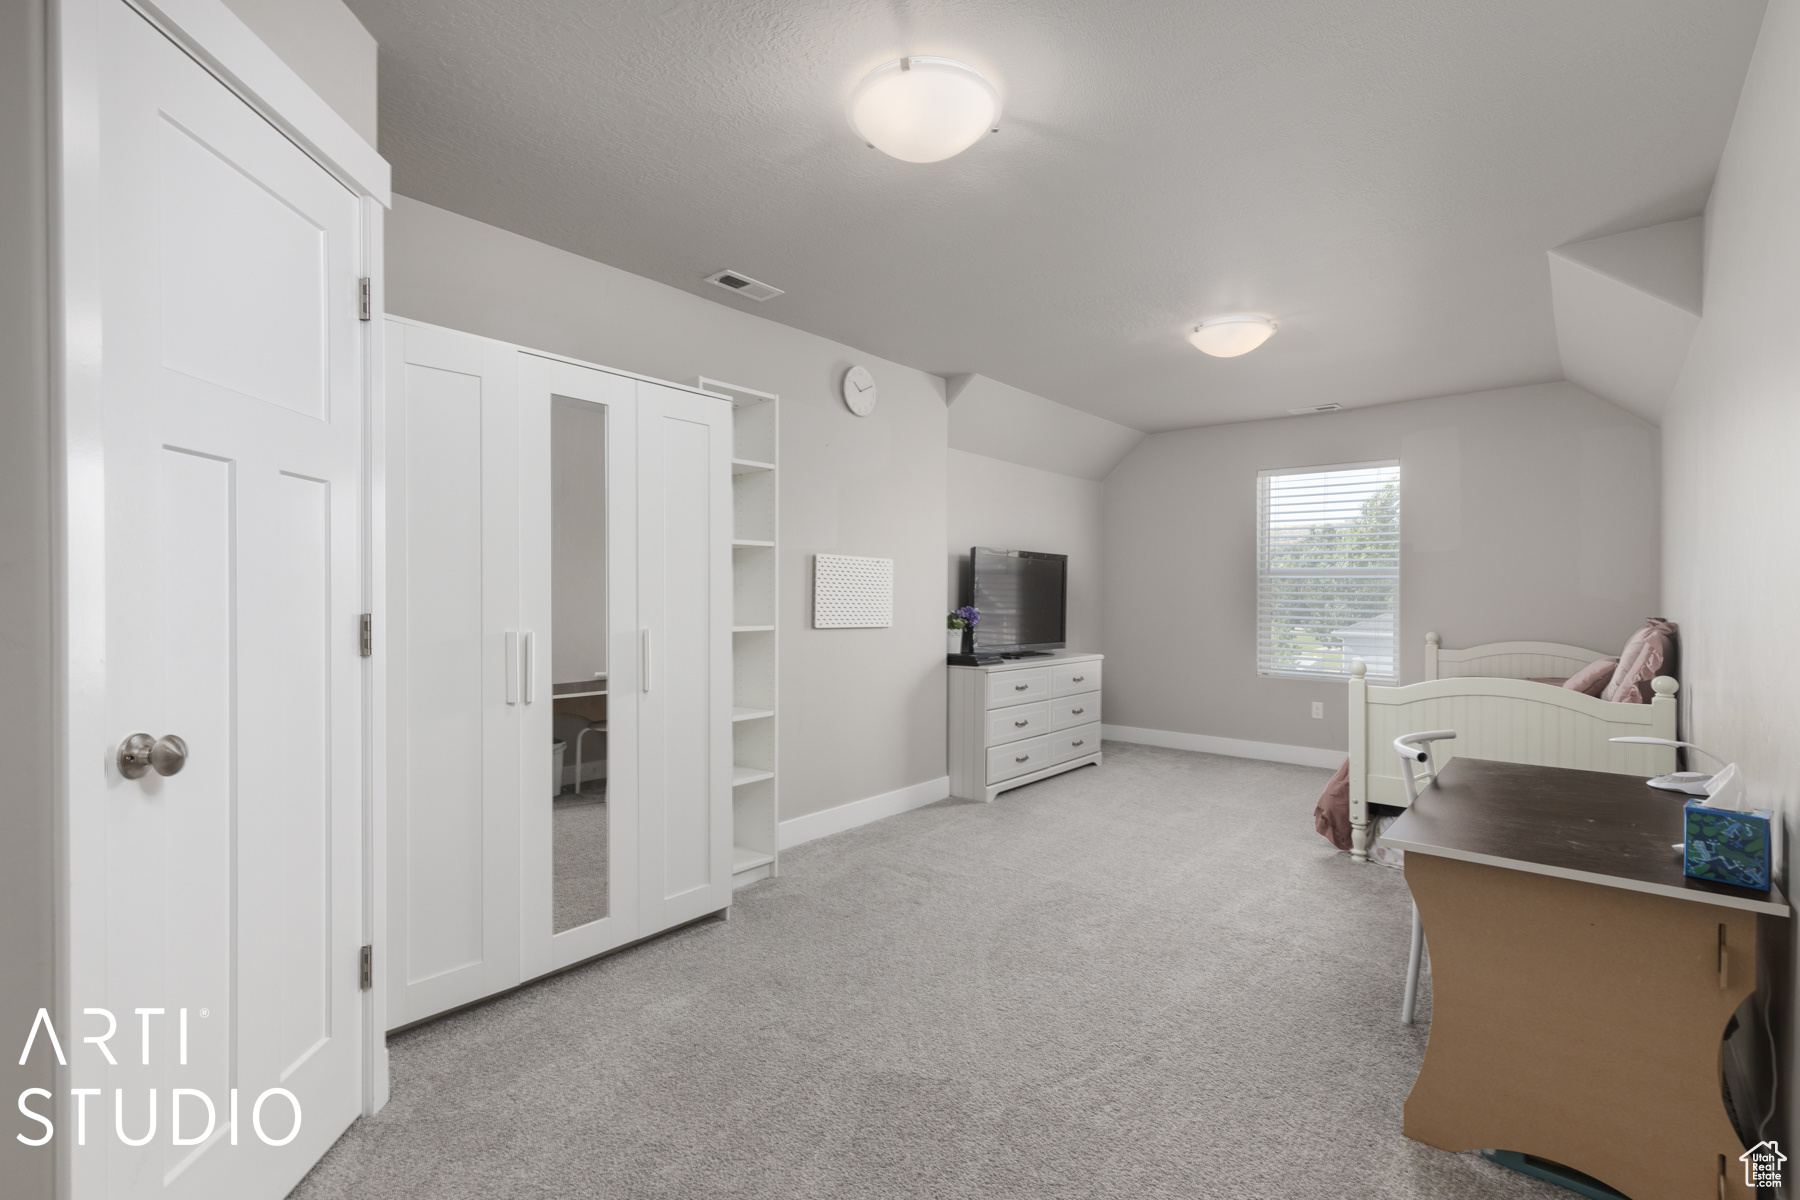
367 644
368 967
365 303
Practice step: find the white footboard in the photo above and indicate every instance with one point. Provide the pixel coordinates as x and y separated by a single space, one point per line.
1511 720
1510 660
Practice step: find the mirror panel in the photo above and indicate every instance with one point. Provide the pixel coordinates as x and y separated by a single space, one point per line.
581 826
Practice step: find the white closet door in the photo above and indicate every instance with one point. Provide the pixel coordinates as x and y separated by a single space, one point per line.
684 654
215 569
543 383
456 679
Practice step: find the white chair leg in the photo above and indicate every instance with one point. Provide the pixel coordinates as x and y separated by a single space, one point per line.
579 739
1412 968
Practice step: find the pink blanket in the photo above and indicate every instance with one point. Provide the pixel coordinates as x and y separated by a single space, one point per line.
1331 815
1650 652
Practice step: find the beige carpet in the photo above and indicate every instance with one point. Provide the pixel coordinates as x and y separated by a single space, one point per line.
1146 979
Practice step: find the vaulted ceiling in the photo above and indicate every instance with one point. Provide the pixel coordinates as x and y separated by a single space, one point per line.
1382 176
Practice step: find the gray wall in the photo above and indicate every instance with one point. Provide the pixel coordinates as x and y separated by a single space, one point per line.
862 710
27 848
326 46
1000 421
1731 448
1525 513
1002 504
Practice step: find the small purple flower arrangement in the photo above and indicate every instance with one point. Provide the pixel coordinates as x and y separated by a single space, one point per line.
961 621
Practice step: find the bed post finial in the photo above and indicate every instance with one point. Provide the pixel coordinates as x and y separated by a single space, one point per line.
1358 668
1664 685
1433 639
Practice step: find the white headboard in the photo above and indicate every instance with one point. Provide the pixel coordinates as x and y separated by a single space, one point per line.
1506 660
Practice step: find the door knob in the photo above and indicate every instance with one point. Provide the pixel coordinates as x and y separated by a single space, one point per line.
140 754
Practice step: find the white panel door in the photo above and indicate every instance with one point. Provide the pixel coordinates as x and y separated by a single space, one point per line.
545 382
226 897
684 687
455 675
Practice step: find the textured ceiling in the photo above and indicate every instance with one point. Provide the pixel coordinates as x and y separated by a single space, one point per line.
1383 176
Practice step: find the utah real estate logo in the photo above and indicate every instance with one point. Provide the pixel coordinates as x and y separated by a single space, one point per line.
1762 1165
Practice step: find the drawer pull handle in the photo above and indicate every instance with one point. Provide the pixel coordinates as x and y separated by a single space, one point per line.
1079 678
1076 712
1020 724
1023 758
1076 742
1019 687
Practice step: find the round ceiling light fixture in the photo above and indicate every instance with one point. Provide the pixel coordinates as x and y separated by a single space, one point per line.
1228 337
923 109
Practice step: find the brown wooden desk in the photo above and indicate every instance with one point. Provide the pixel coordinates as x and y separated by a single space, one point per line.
1580 983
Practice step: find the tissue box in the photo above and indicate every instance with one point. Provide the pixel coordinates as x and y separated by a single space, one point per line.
1726 845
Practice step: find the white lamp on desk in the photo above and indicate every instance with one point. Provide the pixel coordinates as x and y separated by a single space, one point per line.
1691 783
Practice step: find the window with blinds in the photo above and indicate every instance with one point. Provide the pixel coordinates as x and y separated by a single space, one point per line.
1328 570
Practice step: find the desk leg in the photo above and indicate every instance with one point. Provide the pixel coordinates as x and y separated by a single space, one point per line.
1581 1024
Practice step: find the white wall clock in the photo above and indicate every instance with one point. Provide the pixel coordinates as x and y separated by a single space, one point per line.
859 391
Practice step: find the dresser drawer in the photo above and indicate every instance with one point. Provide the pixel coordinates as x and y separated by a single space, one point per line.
1075 677
1021 721
1018 758
1074 710
1075 743
1015 687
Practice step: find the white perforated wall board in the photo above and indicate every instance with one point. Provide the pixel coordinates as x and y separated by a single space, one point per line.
852 593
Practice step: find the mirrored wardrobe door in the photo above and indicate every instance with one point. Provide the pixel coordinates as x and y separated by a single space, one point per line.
579 817
577 654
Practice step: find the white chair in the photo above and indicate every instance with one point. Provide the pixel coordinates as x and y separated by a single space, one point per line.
592 727
1416 748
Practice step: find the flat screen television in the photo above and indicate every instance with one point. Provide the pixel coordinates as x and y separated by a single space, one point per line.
1023 599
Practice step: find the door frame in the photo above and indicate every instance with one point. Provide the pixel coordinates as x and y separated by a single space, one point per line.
220 42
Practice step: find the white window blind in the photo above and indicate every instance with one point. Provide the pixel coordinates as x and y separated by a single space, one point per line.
1328 570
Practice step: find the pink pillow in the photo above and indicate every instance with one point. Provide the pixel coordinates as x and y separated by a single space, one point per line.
1331 816
1592 679
1643 658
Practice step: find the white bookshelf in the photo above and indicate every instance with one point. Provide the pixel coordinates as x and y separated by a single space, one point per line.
756 780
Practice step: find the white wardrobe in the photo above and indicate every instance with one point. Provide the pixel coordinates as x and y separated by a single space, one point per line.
559 608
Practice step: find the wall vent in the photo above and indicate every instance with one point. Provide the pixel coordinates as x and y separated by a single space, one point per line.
743 285
1317 408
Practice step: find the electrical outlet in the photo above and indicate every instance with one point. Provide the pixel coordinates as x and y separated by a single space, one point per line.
1318 710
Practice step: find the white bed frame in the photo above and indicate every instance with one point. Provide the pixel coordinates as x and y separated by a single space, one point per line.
1498 713
1506 660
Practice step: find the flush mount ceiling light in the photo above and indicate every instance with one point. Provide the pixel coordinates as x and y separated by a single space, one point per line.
1228 337
923 109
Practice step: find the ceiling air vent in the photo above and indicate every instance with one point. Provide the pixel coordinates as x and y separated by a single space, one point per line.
1317 408
743 285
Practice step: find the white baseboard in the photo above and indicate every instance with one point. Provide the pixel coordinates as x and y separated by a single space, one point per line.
828 821
1304 756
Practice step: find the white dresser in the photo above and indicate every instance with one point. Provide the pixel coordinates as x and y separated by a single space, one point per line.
1021 721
